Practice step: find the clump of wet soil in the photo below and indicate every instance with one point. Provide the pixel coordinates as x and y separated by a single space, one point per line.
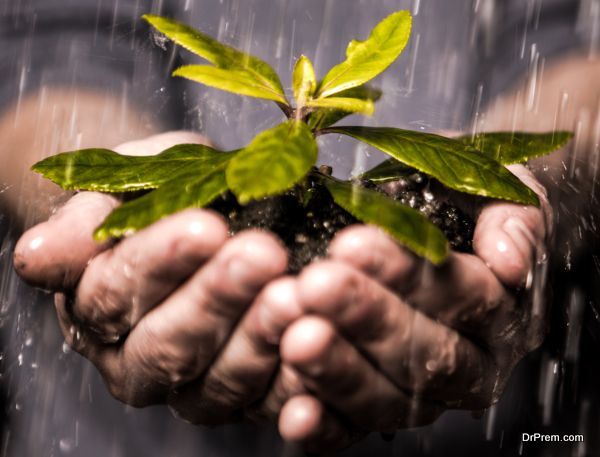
306 218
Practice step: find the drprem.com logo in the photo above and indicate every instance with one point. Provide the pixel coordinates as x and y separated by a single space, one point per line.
540 437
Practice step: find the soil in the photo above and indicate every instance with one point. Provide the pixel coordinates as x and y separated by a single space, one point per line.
306 221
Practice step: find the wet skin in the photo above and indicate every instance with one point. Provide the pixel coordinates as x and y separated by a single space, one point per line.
370 339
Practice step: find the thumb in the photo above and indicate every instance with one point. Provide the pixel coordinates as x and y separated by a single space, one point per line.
510 237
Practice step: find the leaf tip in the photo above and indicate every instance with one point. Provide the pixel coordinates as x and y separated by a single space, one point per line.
564 136
440 259
243 198
534 200
101 234
151 19
404 15
181 72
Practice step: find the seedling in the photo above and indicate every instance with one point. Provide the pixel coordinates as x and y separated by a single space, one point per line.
281 160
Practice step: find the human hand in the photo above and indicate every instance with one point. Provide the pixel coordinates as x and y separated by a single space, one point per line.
388 341
178 313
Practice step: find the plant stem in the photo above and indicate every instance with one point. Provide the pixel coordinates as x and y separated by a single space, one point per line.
287 109
319 132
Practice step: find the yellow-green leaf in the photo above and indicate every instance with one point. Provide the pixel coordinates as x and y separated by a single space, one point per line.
386 171
454 164
103 170
304 80
273 162
405 224
222 56
517 147
367 59
322 118
347 105
196 187
237 81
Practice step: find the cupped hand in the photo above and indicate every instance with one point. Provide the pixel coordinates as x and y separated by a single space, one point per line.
388 341
178 313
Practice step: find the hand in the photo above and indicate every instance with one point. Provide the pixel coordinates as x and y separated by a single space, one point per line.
389 341
178 313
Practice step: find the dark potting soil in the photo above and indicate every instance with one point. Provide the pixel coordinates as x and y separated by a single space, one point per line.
307 221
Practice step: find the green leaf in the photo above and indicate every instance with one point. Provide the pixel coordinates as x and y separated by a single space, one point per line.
405 224
222 56
517 147
107 171
240 82
273 162
367 59
322 118
452 163
388 170
304 80
347 105
196 187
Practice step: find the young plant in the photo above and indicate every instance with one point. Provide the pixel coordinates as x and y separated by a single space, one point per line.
284 157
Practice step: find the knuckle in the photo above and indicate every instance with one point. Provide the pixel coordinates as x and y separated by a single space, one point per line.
116 389
99 304
199 404
181 366
126 385
104 317
439 363
222 307
167 362
205 418
127 395
227 392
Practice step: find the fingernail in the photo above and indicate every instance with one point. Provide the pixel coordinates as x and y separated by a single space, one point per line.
19 262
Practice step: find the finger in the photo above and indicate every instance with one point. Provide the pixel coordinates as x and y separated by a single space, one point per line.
372 251
287 384
462 293
247 363
305 421
104 357
155 144
54 254
76 338
341 377
121 284
415 351
176 341
509 237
